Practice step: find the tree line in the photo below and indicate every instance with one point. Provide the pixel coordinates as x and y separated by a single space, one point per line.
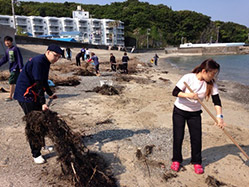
159 23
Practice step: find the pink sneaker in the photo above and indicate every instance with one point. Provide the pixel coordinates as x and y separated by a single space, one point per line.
198 169
175 166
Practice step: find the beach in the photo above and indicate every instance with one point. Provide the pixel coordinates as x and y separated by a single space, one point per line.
117 126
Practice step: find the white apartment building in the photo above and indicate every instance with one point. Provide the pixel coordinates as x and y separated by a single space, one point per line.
93 31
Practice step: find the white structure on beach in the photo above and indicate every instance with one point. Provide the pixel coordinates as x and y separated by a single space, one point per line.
93 31
190 45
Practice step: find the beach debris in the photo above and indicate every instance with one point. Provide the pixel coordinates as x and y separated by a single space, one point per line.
106 90
82 167
104 122
84 72
126 78
148 149
139 154
2 89
169 175
65 81
166 72
64 68
4 76
142 155
212 182
163 79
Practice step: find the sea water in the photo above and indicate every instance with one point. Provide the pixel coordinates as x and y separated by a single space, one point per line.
233 68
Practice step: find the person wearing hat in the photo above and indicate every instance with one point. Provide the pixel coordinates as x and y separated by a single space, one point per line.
31 87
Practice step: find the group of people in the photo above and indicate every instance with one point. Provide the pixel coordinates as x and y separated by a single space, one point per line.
123 67
32 83
84 54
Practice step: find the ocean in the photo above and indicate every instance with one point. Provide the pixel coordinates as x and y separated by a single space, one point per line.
234 68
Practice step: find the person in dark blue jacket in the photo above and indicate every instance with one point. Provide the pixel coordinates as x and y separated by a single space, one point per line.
14 57
31 86
95 60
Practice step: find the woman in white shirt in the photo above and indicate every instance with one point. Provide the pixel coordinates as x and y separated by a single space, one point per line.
188 109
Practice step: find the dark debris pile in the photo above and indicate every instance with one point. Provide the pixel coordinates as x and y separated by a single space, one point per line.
82 167
107 90
68 81
84 72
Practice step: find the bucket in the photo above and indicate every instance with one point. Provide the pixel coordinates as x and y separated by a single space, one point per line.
106 82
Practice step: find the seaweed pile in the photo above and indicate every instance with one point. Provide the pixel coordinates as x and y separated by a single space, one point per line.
211 181
84 72
65 81
83 167
139 80
107 90
4 75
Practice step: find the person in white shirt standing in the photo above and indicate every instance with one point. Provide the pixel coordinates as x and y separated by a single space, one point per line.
188 109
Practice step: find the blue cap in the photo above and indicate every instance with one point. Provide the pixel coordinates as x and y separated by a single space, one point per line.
55 48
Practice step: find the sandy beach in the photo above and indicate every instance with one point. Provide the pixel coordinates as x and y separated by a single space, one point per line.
117 126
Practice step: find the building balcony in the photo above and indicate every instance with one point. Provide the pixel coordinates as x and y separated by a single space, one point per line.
53 24
21 23
120 32
38 29
68 26
4 22
120 38
68 23
83 30
83 26
96 25
68 30
82 22
121 27
38 23
96 37
53 30
120 43
38 32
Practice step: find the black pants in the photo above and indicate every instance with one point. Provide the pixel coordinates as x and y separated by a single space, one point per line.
155 62
125 67
113 66
77 61
193 120
97 68
27 108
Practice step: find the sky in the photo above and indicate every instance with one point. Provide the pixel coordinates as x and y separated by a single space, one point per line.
224 10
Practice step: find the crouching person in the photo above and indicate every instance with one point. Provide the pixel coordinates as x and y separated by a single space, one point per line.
30 93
